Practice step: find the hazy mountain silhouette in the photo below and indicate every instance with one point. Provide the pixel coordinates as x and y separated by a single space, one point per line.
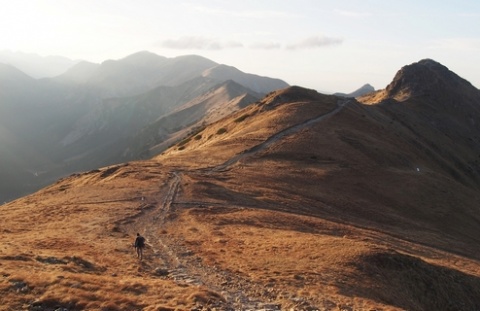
365 89
215 103
37 66
251 81
298 200
79 73
87 116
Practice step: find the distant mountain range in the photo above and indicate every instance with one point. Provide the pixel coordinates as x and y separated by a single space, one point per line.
93 115
35 65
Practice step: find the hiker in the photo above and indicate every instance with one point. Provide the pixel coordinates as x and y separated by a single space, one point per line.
139 245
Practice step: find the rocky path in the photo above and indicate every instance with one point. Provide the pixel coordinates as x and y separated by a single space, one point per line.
171 260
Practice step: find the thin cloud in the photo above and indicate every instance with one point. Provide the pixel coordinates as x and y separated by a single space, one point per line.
197 43
266 46
315 42
232 45
203 43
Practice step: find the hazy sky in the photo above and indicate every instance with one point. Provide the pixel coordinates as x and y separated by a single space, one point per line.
326 45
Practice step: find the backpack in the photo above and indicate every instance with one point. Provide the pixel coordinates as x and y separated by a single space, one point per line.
140 241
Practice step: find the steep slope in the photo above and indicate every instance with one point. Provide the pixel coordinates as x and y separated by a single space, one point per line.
219 101
122 129
438 110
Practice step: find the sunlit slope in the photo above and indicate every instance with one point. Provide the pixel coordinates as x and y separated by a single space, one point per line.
344 160
299 201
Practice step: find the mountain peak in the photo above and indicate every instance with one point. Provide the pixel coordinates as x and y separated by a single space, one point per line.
365 89
424 78
295 92
79 73
292 94
143 58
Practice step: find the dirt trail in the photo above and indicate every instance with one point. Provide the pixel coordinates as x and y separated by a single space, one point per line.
275 138
164 257
149 222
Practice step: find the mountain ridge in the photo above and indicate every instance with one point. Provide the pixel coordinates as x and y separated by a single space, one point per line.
300 201
254 82
432 144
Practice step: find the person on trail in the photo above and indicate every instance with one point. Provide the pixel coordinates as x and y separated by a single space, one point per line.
139 245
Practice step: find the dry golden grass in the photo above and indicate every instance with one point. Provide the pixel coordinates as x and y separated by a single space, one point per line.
73 248
315 220
325 263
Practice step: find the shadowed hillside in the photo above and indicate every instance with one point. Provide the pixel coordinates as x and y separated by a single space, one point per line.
298 201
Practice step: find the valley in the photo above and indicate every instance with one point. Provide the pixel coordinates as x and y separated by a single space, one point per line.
95 115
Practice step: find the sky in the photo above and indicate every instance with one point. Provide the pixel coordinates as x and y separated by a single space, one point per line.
329 46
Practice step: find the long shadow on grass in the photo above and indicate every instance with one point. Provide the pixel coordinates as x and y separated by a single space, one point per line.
413 284
220 193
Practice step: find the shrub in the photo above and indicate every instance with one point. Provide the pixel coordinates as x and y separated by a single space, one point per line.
241 118
183 142
221 131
